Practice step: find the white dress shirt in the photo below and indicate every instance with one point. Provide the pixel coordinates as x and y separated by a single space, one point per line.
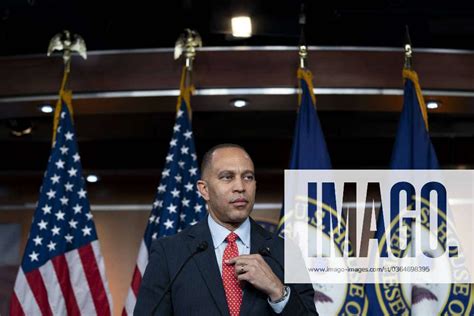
219 234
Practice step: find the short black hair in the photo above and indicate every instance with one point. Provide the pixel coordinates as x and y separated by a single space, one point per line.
206 159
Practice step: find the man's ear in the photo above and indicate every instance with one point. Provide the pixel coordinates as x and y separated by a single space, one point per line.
203 189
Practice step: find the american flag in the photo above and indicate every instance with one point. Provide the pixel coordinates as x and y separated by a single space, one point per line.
177 204
62 272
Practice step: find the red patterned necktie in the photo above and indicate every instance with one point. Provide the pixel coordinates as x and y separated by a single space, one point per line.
233 292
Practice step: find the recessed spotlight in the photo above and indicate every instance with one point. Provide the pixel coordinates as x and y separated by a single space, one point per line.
241 26
239 103
92 178
46 108
433 105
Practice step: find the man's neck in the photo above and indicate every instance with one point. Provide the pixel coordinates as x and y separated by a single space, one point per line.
230 226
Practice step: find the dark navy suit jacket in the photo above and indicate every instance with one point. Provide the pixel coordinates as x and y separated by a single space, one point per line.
198 289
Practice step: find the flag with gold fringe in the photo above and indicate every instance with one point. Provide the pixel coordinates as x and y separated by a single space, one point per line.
309 151
177 203
62 271
413 150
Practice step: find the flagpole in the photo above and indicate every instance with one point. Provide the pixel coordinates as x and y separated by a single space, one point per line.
187 42
62 270
408 50
409 73
66 44
303 48
177 204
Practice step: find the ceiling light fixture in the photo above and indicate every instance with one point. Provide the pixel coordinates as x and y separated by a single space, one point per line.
433 104
239 103
92 178
46 108
241 26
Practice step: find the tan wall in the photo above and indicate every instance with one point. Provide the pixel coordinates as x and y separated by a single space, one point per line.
120 234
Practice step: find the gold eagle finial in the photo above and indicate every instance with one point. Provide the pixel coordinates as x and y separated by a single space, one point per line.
187 42
67 44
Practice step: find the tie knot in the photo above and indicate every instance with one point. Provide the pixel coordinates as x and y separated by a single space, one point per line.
232 237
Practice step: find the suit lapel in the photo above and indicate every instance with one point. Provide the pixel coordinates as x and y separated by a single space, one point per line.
207 264
258 238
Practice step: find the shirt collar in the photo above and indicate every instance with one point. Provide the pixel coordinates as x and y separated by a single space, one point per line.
219 233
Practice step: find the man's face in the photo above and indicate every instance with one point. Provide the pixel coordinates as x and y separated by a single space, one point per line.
228 186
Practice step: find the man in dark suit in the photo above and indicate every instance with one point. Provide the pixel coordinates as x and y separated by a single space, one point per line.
227 274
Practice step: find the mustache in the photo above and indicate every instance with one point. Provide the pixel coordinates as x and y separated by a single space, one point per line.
239 199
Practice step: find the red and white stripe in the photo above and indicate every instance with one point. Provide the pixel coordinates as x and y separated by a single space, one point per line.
70 284
142 262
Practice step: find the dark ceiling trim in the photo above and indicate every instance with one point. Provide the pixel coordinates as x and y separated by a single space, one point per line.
235 69
350 79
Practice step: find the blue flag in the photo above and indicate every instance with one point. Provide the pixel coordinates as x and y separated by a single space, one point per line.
309 151
413 150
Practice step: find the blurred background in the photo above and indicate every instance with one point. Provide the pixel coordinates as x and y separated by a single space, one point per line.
125 98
